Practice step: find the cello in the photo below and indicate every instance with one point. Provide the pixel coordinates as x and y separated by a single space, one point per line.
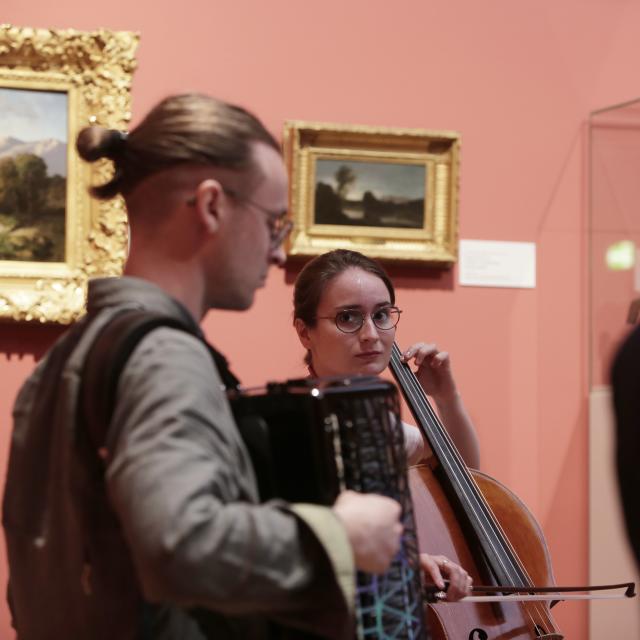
480 524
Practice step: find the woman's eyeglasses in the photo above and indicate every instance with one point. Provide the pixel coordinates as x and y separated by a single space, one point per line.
351 320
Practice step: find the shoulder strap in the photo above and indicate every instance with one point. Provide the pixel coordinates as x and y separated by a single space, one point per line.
108 356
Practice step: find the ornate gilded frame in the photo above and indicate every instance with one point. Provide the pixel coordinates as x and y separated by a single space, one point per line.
434 242
95 70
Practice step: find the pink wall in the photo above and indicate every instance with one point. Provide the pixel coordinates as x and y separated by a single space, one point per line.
518 81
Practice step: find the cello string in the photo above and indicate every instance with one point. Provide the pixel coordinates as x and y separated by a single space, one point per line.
448 449
503 551
452 460
446 446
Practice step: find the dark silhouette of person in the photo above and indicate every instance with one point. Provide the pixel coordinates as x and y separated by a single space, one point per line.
625 382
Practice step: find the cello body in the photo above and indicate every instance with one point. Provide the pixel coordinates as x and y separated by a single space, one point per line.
440 531
483 526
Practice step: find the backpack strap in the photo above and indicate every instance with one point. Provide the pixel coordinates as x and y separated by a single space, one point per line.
101 371
108 357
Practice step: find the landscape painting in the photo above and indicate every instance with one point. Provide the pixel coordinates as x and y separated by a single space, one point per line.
388 192
369 193
33 174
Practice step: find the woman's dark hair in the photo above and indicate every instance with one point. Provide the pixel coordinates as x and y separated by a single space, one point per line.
317 273
184 129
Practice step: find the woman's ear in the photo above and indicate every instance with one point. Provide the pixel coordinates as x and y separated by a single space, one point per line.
303 333
207 204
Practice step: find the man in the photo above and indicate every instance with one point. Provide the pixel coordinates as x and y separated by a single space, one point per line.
166 539
625 382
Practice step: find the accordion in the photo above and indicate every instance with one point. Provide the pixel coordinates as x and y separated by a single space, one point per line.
310 439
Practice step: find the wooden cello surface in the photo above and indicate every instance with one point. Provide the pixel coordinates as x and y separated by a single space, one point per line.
484 527
440 532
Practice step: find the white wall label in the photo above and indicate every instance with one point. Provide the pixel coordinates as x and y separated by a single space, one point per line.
491 263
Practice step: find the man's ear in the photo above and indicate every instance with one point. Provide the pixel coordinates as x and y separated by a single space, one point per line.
303 333
207 204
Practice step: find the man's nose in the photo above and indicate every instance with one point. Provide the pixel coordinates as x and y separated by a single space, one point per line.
277 256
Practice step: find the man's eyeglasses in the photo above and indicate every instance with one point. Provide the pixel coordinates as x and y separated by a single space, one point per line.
279 225
351 320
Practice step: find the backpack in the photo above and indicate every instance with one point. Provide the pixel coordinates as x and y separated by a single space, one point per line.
104 364
108 357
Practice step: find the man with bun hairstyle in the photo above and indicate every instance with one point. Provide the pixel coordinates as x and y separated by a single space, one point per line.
159 532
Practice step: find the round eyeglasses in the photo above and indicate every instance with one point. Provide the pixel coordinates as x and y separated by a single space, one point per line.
278 222
351 320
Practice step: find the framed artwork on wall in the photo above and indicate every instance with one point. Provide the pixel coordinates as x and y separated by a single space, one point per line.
390 193
53 236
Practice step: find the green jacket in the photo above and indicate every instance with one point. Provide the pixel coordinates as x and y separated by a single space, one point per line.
170 542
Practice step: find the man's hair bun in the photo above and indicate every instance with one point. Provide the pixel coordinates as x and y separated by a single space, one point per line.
97 142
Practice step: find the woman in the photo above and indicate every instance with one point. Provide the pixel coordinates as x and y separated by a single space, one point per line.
345 317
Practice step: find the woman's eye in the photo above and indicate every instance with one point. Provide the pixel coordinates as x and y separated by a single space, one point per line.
381 314
347 317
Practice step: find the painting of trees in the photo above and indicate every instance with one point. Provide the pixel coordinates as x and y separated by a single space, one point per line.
377 194
32 205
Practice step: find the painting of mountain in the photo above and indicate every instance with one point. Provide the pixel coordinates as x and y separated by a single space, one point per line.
53 152
33 175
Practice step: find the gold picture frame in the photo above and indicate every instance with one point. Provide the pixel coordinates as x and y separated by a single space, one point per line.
51 245
404 191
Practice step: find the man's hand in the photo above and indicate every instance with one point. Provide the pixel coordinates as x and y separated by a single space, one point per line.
373 528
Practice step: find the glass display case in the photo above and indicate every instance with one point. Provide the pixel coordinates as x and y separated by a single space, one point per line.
614 230
614 308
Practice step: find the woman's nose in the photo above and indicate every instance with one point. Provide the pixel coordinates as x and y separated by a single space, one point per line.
368 331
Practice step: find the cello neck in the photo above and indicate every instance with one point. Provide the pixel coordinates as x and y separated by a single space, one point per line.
427 420
457 480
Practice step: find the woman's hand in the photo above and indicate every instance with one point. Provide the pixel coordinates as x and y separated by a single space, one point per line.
435 376
434 371
439 567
